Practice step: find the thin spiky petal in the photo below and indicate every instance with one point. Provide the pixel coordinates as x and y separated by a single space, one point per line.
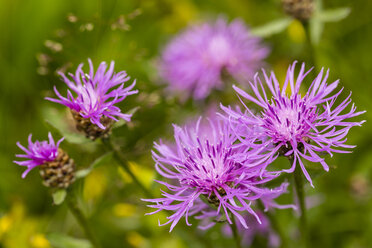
296 126
203 164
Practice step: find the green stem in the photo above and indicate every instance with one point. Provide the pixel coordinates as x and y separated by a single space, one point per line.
81 219
310 49
235 232
299 185
120 158
275 225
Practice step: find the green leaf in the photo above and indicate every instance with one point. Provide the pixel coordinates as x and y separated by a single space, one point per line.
59 240
73 138
122 122
82 173
316 30
99 161
59 196
316 25
273 27
333 15
58 123
321 16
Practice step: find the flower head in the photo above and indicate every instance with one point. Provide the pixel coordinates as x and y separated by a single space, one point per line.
96 94
202 166
194 61
296 126
38 153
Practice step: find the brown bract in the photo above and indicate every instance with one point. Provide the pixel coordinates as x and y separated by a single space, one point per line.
299 9
59 173
91 130
213 199
288 147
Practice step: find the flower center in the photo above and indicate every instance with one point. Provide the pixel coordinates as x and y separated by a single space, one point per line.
207 166
90 98
213 199
44 151
288 119
219 51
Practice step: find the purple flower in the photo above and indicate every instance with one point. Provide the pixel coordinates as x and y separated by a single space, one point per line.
38 153
194 61
296 126
96 97
201 167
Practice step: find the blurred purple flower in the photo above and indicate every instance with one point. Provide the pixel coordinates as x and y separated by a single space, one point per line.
295 126
255 229
38 153
202 166
193 62
94 99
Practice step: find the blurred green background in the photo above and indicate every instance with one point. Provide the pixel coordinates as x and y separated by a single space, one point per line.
39 37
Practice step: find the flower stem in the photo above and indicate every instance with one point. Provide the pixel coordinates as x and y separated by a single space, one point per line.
310 49
299 185
81 219
120 158
235 232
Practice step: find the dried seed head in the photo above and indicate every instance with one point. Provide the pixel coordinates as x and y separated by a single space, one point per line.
59 173
299 9
92 131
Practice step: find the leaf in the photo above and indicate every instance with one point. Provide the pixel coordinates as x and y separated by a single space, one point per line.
58 123
122 122
321 16
99 161
59 240
73 138
59 196
273 27
333 15
316 25
316 30
82 173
